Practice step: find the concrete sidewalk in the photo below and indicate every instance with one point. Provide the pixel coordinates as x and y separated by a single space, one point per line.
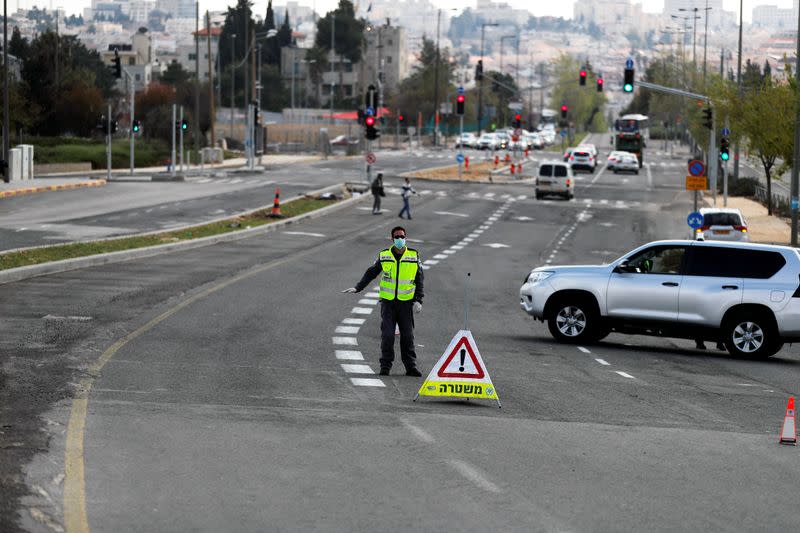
17 188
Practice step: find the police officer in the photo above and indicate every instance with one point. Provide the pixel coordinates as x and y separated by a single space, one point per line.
401 293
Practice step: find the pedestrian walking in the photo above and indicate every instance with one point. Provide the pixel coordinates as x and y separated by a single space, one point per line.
408 190
401 293
377 192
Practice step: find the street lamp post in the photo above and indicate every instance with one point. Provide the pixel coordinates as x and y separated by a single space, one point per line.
796 165
6 142
233 80
739 83
436 80
480 83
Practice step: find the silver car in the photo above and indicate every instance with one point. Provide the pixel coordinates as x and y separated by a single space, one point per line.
746 296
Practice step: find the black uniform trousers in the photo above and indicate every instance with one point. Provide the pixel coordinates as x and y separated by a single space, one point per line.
400 313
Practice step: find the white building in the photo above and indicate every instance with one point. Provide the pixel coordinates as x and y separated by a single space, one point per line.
186 53
772 17
386 51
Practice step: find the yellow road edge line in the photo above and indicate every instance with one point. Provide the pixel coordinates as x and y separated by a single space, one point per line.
75 516
51 188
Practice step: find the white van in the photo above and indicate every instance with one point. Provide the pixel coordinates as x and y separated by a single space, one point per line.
555 177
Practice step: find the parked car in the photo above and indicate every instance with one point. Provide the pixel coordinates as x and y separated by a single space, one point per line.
627 163
582 159
555 177
723 224
488 141
343 140
741 294
466 140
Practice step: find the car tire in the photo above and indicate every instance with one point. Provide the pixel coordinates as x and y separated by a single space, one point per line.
636 172
751 335
574 320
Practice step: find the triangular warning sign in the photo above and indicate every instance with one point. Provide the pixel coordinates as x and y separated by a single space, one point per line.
460 372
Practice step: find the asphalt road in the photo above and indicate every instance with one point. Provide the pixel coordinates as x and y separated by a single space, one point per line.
220 403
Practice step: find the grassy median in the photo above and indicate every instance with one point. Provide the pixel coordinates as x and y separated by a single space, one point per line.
82 249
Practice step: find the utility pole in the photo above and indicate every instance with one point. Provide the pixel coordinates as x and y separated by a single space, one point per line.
6 142
480 82
436 83
108 144
705 47
739 83
211 110
246 51
197 79
133 109
174 125
333 56
233 80
181 139
796 165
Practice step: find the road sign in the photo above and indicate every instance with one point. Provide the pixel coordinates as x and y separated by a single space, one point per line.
696 183
726 132
697 168
460 158
563 133
695 220
411 130
515 106
371 159
460 90
629 63
460 372
370 111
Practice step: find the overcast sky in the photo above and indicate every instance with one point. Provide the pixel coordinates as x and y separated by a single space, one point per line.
537 7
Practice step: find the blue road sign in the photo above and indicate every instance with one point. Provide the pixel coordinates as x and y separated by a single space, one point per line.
460 90
726 131
460 158
629 63
370 111
695 220
697 168
795 204
563 133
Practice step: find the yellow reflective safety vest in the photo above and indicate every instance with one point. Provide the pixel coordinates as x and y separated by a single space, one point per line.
397 279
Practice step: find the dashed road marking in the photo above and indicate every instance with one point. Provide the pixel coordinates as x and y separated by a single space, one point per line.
357 321
367 382
305 233
440 256
345 341
349 355
603 362
368 301
472 474
361 311
357 369
431 262
448 252
624 374
584 350
448 213
347 330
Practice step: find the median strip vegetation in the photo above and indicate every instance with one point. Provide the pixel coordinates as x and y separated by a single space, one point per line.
262 217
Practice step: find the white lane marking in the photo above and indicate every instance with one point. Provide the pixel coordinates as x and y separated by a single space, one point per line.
420 433
496 245
457 247
349 355
474 234
307 234
522 197
356 321
368 301
603 362
21 229
584 350
748 384
448 213
367 382
237 180
484 227
624 374
473 475
489 195
468 239
361 311
372 294
649 177
347 330
493 219
70 318
345 341
431 262
440 256
448 252
357 369
522 219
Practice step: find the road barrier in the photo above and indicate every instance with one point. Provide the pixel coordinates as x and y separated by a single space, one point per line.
789 429
276 205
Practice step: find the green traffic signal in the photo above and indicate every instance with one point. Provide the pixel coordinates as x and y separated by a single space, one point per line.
724 156
184 124
628 88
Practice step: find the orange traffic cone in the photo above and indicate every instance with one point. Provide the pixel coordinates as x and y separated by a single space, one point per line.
466 162
526 152
496 160
789 430
276 206
508 158
512 169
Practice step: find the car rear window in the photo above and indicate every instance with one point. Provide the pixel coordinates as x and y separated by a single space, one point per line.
722 219
581 154
560 171
546 170
733 262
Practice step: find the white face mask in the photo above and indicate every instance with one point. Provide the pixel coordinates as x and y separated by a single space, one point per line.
399 242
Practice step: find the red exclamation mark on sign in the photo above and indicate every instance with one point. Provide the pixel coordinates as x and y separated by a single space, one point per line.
463 354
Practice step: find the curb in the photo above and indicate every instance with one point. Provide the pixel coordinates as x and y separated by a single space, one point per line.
48 188
65 265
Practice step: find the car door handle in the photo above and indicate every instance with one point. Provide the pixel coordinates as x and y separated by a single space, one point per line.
670 284
730 287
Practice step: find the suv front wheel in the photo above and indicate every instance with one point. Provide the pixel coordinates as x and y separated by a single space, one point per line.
575 321
751 335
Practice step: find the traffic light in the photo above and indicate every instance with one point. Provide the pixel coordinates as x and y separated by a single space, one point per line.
136 126
628 85
517 122
401 119
724 149
583 76
184 124
564 109
102 124
460 104
256 116
479 70
599 85
117 65
370 132
708 118
114 126
371 98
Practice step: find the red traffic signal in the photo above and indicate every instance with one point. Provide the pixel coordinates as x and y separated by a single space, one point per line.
401 118
599 85
583 76
460 98
564 108
370 120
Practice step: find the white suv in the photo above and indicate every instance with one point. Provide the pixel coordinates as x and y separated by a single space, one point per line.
746 296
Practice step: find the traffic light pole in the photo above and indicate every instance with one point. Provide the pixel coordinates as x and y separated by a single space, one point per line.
460 144
108 144
181 141
174 125
133 94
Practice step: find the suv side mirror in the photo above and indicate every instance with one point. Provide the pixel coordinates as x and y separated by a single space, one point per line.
623 266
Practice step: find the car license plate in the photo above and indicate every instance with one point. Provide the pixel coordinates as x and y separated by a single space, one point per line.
722 231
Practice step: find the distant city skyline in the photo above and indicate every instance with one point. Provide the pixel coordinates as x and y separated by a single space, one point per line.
539 7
